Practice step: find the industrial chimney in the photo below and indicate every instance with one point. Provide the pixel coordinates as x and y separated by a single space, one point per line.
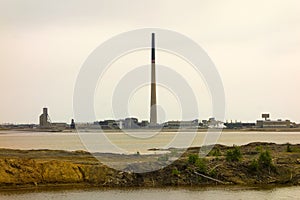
153 108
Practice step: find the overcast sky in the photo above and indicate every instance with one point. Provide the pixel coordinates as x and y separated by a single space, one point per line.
255 46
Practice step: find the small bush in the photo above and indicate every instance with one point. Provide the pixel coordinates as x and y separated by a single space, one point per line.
265 159
254 166
213 172
193 158
264 162
201 165
259 148
234 155
175 172
289 148
216 152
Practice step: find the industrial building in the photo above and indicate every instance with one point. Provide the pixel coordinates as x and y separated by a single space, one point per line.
181 124
239 125
267 123
127 123
45 122
45 119
273 124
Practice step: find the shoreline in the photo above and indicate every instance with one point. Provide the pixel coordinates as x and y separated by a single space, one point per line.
83 186
46 168
161 130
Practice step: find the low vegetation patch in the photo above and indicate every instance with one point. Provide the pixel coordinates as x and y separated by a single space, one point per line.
254 166
199 163
264 162
216 152
175 172
289 148
234 155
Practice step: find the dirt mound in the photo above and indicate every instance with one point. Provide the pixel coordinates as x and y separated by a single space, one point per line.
46 167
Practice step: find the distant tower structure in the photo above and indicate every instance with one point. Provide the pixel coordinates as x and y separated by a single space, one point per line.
266 116
44 119
153 108
72 126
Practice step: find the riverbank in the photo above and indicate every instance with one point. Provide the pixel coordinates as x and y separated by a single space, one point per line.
40 168
153 130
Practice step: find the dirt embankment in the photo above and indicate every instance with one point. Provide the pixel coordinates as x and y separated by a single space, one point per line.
281 165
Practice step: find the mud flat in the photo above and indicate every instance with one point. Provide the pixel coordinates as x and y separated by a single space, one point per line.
257 164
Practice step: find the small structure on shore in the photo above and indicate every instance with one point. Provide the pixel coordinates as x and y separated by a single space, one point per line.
45 122
72 125
44 119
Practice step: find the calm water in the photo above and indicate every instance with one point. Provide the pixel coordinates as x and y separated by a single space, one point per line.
129 144
71 141
150 194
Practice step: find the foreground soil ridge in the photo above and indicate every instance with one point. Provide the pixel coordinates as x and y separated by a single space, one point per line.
251 164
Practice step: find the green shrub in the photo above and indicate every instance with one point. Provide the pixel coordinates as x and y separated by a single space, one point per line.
213 172
254 166
264 162
234 155
259 148
288 148
216 152
175 172
265 159
201 165
193 158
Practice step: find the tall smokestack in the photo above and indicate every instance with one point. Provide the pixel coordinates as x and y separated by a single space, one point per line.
153 109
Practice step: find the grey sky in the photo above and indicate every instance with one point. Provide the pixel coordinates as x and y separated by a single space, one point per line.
254 44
